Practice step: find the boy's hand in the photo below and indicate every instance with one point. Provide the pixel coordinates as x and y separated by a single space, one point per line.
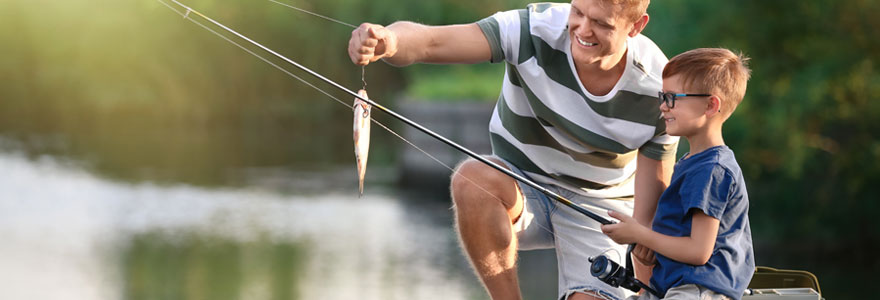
644 255
627 231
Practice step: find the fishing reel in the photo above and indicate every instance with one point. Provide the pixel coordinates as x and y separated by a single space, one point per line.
614 275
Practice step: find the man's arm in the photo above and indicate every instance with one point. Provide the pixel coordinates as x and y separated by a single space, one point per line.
404 43
652 178
695 249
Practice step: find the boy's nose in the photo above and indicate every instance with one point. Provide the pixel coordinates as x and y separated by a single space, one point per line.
663 106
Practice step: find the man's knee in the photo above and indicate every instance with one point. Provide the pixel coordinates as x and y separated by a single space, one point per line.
472 176
467 175
473 182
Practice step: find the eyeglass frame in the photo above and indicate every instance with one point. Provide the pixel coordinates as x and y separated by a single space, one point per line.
669 98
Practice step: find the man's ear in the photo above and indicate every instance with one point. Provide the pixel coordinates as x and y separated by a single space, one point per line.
639 25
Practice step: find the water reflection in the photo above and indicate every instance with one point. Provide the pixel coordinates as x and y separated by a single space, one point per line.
70 235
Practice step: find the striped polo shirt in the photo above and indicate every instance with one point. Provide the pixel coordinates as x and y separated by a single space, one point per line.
546 122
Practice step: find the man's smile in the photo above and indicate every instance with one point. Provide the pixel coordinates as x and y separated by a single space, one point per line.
584 43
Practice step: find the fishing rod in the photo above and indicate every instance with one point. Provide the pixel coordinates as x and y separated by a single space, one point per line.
409 122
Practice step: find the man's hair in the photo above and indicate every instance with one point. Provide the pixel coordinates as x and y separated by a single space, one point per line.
717 71
632 9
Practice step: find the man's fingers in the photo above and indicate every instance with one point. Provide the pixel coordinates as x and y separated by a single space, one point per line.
641 251
644 260
363 31
359 58
366 51
644 255
377 32
648 260
354 49
370 42
361 46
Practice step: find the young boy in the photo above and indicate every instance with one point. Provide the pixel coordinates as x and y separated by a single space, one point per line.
701 234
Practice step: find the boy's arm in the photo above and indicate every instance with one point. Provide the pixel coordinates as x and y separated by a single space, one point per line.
694 249
404 43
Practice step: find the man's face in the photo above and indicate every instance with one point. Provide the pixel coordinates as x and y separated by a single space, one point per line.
597 32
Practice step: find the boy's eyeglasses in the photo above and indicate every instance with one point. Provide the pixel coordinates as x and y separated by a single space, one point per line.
669 98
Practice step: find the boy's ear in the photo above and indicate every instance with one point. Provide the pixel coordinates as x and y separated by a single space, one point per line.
714 106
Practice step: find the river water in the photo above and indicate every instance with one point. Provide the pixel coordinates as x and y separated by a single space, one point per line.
111 212
70 234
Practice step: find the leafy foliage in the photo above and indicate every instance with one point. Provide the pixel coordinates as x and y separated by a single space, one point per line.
806 134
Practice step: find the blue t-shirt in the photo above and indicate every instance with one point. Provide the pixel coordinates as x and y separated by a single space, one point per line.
712 182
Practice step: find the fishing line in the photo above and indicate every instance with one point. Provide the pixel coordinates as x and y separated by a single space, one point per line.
364 77
450 168
331 97
185 15
415 125
314 14
470 153
619 256
363 68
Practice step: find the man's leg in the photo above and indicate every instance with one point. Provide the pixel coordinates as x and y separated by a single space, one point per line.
486 204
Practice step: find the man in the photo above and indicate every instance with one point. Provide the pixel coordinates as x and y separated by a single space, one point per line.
577 113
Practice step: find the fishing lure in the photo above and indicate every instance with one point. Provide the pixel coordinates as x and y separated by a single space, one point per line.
363 134
361 137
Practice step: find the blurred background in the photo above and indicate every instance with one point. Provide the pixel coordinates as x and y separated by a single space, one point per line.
142 157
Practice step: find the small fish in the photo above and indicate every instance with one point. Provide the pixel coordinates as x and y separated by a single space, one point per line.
361 137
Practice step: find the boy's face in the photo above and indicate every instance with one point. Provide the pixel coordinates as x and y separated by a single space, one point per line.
688 115
597 31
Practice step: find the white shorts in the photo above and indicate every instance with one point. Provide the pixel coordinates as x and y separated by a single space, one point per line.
684 292
545 224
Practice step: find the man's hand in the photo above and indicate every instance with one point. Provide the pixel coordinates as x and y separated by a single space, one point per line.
627 231
371 42
644 255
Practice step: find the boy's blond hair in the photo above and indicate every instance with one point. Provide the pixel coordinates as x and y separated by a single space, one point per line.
632 9
716 71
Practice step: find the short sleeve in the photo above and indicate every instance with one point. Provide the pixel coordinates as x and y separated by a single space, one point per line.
503 30
707 189
661 147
